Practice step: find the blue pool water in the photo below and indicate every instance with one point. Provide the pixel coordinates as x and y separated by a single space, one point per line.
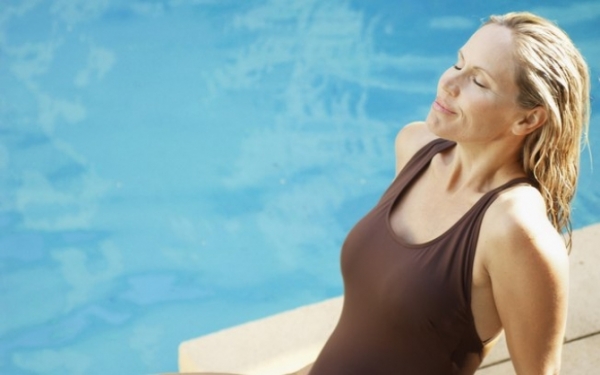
171 168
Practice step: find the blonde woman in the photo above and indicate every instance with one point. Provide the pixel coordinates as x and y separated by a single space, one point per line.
466 242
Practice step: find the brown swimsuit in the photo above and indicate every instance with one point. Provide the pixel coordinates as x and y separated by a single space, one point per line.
407 307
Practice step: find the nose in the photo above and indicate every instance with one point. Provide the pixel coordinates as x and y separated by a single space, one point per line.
449 82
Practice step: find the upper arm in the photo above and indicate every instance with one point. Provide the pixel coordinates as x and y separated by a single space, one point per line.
409 140
529 275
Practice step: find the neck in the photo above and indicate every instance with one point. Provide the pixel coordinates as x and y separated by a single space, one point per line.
479 167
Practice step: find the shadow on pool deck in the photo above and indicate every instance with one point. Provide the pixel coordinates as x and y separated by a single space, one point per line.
285 342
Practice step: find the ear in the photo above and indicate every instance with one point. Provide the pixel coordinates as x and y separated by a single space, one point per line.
530 121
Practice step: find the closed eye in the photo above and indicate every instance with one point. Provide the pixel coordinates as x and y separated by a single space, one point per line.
456 67
477 83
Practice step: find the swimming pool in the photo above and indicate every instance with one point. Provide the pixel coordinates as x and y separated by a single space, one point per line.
171 168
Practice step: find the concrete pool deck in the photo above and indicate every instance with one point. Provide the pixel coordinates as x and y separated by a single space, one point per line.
287 341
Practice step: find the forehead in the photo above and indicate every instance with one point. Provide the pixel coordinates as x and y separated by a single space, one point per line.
491 48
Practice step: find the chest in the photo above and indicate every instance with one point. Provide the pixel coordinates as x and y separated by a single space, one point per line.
405 285
425 211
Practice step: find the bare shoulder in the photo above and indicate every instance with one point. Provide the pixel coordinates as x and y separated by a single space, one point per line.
518 227
410 139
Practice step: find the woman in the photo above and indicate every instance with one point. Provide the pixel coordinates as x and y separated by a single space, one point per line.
466 242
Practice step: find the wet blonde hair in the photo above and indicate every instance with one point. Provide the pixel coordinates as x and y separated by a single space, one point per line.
551 73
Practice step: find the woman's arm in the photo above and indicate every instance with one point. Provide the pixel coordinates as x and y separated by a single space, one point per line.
528 268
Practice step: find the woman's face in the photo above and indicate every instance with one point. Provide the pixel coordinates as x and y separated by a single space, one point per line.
477 98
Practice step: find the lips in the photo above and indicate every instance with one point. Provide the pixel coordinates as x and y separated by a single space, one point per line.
440 106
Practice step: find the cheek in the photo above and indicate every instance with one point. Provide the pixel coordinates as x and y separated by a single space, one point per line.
481 111
479 103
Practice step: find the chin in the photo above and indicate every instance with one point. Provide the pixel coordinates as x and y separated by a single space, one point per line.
436 126
442 129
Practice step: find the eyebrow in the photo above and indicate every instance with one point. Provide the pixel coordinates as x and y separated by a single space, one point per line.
477 67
